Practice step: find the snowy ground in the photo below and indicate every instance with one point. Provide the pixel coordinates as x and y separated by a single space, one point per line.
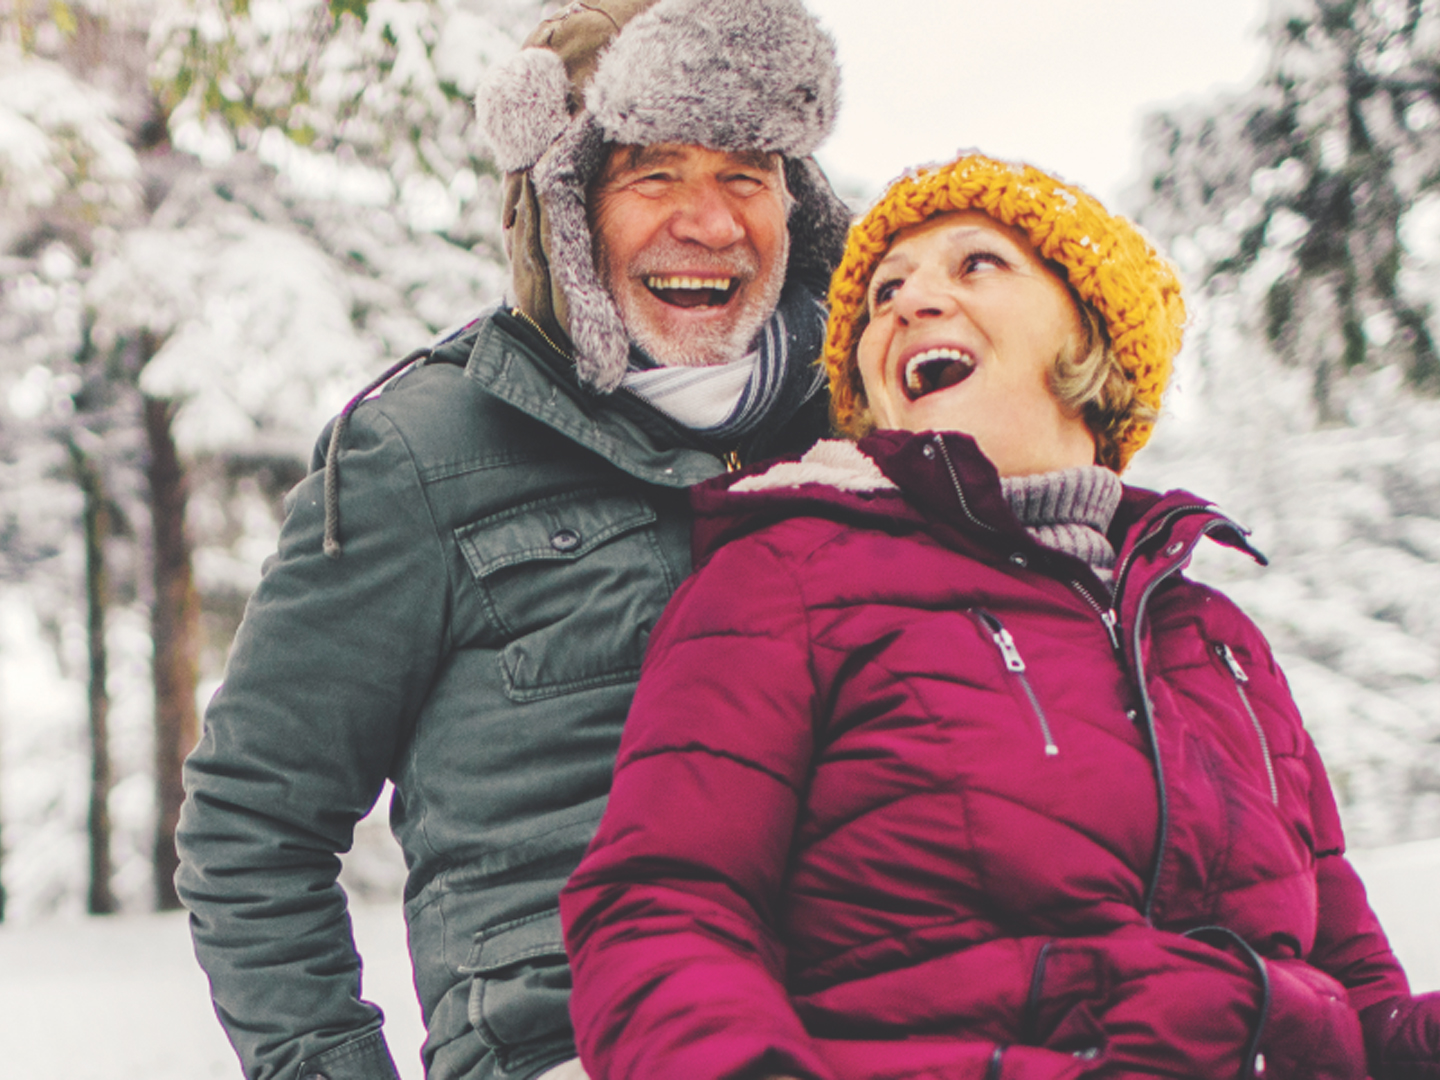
122 999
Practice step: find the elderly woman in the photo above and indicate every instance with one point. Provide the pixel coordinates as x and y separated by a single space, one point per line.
940 766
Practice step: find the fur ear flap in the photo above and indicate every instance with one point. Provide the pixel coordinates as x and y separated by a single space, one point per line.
523 107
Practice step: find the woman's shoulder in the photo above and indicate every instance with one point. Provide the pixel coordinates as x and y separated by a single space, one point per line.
792 504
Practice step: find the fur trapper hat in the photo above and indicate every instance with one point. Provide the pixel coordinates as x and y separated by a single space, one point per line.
1106 260
731 75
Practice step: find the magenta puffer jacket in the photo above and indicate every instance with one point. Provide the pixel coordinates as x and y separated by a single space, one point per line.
904 794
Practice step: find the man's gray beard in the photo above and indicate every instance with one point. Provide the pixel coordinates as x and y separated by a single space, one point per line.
701 348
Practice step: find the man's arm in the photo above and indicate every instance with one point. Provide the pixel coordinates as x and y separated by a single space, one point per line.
329 667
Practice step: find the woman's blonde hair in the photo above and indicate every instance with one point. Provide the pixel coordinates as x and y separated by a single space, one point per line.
1128 296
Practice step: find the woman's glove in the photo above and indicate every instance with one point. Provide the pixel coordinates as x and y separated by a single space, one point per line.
1402 1037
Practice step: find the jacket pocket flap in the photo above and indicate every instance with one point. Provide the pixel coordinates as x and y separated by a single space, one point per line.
515 942
561 527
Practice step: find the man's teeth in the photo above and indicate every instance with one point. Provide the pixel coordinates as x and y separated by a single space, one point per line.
936 369
676 282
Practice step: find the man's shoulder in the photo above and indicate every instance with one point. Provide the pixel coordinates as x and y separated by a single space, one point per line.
443 403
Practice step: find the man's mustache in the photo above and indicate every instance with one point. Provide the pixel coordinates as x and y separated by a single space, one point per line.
668 256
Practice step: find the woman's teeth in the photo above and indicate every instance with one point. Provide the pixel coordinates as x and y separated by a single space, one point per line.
936 369
685 291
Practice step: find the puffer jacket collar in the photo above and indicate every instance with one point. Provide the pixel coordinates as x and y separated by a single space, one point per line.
944 485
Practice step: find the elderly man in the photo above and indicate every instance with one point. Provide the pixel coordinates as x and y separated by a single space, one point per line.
462 593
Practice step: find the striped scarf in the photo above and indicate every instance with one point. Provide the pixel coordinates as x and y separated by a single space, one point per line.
726 402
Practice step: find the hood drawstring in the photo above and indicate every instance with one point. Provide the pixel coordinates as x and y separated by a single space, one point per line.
337 437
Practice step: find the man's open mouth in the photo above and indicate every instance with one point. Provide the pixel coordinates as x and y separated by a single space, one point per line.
936 369
692 292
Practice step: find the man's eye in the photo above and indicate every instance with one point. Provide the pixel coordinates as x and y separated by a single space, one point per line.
745 185
650 183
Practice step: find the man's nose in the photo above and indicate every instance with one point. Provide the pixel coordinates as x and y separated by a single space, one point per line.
706 216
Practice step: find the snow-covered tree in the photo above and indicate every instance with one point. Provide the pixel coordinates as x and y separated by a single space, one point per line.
69 176
218 219
1305 213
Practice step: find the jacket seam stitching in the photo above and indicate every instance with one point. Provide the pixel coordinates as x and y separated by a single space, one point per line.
447 642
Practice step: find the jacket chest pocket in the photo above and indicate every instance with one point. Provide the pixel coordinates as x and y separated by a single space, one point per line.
1016 676
574 584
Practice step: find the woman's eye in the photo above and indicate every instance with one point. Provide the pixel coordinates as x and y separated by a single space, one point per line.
884 291
983 260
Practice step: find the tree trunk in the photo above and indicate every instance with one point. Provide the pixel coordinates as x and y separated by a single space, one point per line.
175 629
101 901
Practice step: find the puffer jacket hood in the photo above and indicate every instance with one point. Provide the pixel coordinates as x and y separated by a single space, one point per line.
744 75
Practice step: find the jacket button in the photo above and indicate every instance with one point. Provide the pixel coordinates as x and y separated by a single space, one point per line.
564 539
1019 559
928 451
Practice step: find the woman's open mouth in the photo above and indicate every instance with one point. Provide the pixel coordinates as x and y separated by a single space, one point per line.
692 292
936 369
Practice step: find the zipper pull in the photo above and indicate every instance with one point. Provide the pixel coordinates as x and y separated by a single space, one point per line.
1232 663
1112 622
731 458
1008 651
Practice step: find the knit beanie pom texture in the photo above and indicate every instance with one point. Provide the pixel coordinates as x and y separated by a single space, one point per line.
1107 261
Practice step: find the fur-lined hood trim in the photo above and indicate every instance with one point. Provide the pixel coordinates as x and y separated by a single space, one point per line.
738 75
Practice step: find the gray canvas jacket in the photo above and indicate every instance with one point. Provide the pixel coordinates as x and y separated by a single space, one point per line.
508 541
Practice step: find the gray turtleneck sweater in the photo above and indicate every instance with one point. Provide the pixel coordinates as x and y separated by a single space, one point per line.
1070 511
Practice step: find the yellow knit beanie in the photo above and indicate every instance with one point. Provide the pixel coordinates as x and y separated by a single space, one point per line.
1108 263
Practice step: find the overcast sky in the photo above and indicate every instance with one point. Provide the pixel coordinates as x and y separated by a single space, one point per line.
1061 83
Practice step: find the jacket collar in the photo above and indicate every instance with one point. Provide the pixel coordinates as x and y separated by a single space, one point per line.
943 484
541 383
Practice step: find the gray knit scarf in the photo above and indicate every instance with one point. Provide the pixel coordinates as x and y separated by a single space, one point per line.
726 402
1070 511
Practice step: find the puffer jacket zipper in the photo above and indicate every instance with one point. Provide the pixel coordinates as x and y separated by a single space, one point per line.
1238 673
938 441
1108 618
1147 707
1015 664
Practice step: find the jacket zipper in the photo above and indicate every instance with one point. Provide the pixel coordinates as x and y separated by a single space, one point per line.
939 442
1147 707
1108 617
524 316
1015 664
1238 673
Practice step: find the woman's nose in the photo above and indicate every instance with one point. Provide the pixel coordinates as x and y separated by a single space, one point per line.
920 297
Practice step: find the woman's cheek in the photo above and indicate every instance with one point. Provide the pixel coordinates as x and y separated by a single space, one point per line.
870 354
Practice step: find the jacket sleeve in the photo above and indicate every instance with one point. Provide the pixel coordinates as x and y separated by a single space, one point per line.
1402 1031
670 919
328 669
